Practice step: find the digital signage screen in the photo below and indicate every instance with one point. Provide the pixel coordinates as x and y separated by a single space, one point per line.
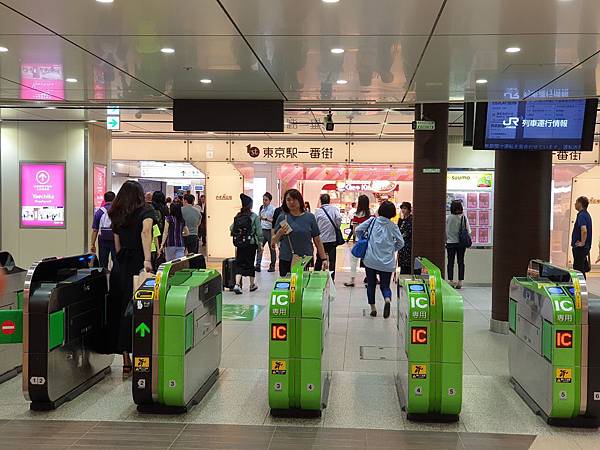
552 125
42 195
42 82
99 185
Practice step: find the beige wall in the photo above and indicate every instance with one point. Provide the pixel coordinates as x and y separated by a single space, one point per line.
44 141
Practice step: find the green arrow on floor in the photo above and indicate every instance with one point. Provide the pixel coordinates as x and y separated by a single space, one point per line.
142 329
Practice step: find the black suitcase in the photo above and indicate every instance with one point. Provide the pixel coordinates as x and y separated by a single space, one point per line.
228 273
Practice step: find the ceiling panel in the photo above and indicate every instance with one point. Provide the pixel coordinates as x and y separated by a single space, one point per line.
583 81
373 67
124 17
452 64
226 60
348 17
519 17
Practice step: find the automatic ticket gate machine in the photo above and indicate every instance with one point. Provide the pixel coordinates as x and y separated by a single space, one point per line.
65 327
11 318
299 357
554 337
430 346
177 324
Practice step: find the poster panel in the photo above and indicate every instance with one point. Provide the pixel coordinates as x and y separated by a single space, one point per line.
42 195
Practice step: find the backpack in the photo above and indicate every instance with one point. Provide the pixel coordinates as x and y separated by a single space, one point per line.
105 224
242 230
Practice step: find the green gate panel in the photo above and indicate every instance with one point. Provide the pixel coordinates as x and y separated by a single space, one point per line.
310 338
173 380
309 385
56 329
451 388
452 342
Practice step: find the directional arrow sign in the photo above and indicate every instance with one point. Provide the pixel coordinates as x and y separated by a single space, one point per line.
113 123
142 329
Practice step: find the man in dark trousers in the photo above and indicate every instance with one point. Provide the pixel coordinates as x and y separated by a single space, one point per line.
581 239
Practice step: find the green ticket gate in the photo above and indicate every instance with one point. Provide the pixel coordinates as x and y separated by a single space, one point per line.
554 336
11 318
299 367
430 346
177 337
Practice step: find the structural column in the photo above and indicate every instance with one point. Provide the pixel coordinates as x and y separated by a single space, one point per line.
429 185
522 203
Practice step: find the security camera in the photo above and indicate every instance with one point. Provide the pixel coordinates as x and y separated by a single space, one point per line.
328 122
138 115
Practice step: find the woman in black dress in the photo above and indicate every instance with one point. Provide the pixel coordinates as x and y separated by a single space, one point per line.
132 221
405 225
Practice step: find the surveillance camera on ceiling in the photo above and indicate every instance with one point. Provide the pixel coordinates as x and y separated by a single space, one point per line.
138 115
328 122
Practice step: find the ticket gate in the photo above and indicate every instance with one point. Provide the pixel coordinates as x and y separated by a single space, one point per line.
65 327
430 346
554 336
11 318
177 337
299 354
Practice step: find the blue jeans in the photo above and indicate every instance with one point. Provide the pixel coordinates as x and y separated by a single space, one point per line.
384 284
172 253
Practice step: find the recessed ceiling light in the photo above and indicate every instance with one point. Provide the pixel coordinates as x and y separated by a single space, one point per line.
105 1
205 81
342 81
512 50
167 50
50 107
481 81
71 80
3 49
161 109
92 121
337 51
330 1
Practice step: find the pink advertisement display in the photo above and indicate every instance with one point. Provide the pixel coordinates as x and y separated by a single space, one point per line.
484 218
474 235
42 82
472 216
483 235
472 200
484 200
42 195
99 185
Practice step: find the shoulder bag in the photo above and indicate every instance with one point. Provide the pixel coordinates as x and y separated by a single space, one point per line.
359 250
464 238
339 237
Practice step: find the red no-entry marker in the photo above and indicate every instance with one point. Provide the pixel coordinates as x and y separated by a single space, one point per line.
8 327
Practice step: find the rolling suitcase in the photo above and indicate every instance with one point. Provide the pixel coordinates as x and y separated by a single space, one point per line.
228 273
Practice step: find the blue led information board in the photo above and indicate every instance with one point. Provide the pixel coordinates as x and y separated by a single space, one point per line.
561 125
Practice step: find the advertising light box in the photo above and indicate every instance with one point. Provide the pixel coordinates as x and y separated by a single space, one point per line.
99 185
42 199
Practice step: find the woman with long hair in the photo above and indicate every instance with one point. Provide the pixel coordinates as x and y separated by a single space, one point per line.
297 230
132 220
363 213
175 229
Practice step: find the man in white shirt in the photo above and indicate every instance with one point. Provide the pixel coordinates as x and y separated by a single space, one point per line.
266 223
329 219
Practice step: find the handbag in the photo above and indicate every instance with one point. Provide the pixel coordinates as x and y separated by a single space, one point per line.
464 238
359 250
295 257
339 237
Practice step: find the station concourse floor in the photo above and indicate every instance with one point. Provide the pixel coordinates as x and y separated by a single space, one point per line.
363 409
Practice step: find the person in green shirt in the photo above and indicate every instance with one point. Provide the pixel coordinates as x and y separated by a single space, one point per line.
154 247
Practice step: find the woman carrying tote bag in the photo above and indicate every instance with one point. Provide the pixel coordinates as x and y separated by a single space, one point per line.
458 239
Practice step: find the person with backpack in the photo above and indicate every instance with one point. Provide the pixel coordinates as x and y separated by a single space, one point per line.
458 239
329 220
246 232
102 231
